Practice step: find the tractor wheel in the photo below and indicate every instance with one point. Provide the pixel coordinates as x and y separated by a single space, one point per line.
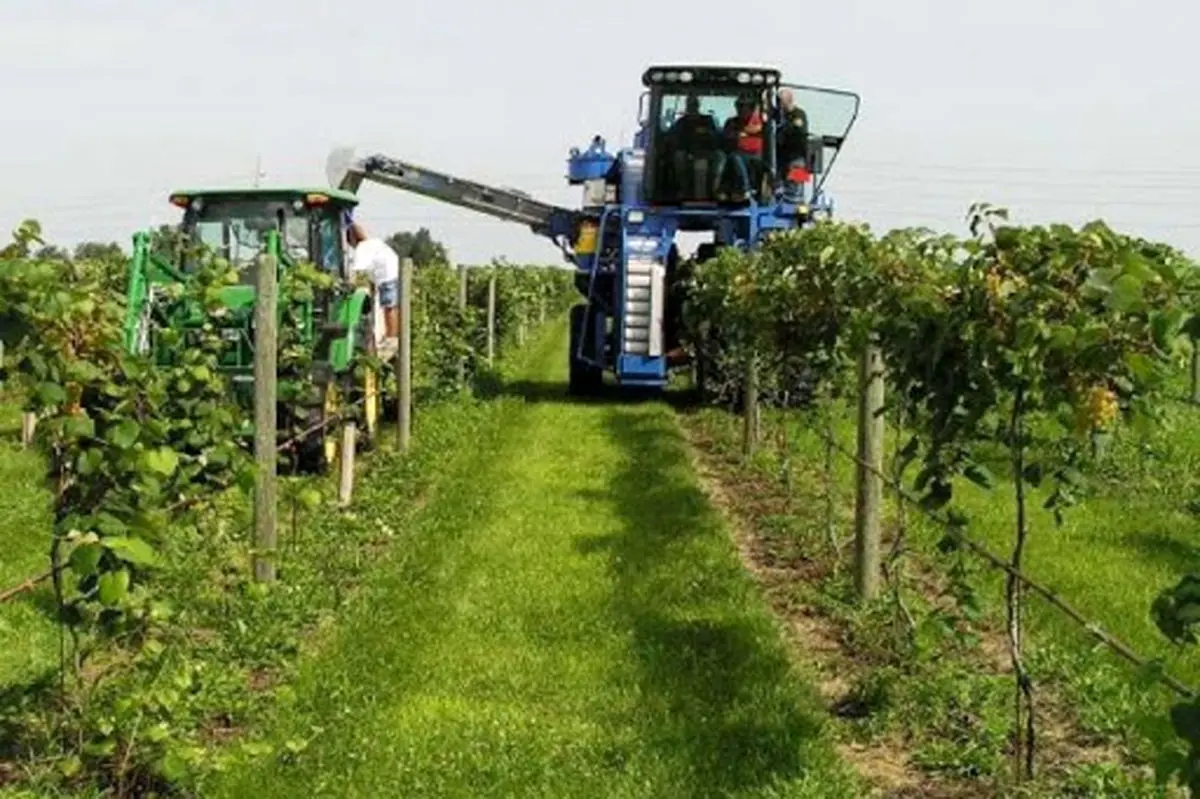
583 378
318 453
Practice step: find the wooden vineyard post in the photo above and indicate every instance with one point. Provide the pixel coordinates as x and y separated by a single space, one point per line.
404 359
28 428
349 444
750 409
265 375
869 472
462 309
491 320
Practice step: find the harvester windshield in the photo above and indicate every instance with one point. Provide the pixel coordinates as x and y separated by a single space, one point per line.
828 115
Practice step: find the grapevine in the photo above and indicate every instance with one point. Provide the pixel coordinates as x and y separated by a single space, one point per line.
143 462
1031 339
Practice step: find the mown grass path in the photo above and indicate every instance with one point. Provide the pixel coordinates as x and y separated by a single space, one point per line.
567 617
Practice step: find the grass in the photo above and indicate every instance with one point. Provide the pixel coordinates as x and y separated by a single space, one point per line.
28 635
1133 536
566 617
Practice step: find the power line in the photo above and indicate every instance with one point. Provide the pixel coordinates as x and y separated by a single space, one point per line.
854 159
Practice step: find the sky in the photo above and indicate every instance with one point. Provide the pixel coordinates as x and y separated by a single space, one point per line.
1060 110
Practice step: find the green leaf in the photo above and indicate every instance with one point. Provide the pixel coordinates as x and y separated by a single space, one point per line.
173 767
80 427
132 550
125 434
114 587
85 559
979 475
163 460
1165 326
1142 366
1126 294
51 394
90 462
1062 336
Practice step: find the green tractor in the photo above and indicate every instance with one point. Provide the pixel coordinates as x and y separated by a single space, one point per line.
296 226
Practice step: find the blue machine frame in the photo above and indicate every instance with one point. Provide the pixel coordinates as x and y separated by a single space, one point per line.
621 243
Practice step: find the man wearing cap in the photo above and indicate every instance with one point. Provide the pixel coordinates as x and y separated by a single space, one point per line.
378 261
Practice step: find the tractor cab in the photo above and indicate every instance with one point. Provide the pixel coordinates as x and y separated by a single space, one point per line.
297 226
234 224
730 135
335 325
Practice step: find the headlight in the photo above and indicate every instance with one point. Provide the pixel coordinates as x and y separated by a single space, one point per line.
672 76
757 79
685 77
743 77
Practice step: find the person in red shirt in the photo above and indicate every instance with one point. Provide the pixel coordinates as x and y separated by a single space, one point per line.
743 134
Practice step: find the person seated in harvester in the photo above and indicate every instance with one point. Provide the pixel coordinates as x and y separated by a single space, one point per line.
379 262
743 134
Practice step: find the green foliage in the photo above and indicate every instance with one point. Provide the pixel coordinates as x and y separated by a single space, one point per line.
445 335
1031 341
126 440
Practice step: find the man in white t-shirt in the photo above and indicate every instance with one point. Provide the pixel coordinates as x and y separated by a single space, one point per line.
380 262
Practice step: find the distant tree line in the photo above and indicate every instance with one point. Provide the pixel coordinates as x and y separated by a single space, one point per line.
420 246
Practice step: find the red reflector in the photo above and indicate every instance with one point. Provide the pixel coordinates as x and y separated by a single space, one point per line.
799 174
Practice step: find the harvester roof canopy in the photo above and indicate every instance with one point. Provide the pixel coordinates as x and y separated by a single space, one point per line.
710 75
268 193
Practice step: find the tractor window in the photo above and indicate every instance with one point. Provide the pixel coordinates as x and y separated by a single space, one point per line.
239 241
295 238
330 243
237 230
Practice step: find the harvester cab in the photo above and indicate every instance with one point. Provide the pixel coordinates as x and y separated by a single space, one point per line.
731 153
336 324
719 136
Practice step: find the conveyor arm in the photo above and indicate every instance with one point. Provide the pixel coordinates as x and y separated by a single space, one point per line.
511 205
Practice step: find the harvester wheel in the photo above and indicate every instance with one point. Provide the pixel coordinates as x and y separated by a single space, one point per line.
583 378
